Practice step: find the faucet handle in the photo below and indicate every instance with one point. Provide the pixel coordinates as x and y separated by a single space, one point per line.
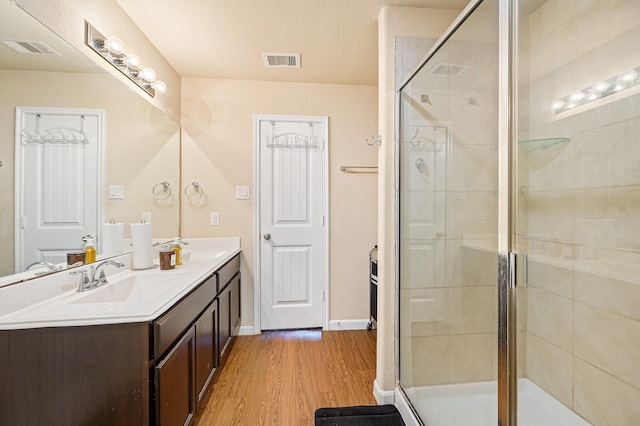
102 278
83 283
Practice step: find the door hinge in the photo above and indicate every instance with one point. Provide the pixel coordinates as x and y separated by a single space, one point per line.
323 295
323 220
22 223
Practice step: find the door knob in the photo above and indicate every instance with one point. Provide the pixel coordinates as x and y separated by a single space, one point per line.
267 236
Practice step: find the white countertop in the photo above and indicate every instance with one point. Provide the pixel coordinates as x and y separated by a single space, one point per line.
130 296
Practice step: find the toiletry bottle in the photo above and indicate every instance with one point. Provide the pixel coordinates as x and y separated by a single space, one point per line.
90 251
178 249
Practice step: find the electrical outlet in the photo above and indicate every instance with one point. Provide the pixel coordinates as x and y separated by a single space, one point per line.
215 219
146 217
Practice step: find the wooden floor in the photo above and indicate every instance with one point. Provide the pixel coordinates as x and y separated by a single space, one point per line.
282 377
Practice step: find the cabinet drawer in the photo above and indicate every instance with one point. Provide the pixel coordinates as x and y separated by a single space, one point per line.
227 272
168 328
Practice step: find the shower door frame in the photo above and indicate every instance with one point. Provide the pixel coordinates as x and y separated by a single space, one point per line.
507 137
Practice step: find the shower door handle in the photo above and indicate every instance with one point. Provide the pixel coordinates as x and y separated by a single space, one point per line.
267 236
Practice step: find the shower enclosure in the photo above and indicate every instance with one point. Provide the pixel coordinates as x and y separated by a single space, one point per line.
519 218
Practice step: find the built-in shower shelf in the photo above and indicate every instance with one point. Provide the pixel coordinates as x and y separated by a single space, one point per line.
542 143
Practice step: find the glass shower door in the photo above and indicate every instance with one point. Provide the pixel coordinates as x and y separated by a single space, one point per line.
578 201
448 228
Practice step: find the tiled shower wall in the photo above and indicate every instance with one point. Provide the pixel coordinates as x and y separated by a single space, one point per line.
580 205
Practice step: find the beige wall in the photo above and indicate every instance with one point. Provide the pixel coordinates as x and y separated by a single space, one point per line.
218 152
67 18
392 22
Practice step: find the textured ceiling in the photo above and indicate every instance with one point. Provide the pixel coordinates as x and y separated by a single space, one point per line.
224 39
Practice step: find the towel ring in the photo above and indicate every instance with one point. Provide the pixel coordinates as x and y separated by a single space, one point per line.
197 188
166 189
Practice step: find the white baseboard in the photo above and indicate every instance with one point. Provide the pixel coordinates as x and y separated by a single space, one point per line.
348 324
405 410
383 397
246 330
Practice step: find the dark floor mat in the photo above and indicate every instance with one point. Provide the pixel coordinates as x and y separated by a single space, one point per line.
376 415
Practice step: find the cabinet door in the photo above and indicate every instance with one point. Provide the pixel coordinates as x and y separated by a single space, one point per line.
224 321
206 348
235 304
175 384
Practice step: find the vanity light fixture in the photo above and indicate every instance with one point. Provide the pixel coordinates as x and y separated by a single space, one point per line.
112 49
601 89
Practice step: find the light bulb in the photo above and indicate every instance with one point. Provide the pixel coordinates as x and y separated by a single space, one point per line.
593 95
160 86
133 62
148 75
557 104
618 87
576 96
114 45
629 76
601 86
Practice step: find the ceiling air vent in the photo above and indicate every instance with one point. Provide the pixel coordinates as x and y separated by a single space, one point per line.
289 60
449 70
29 47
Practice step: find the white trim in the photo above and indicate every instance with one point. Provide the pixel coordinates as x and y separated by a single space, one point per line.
246 330
405 410
257 329
18 170
382 397
357 324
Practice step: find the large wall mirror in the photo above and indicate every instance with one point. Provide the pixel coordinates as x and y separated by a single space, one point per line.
136 165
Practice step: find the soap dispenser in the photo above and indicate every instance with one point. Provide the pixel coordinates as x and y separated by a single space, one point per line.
90 251
175 246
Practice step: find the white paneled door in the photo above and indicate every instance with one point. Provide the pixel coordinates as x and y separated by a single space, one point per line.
291 221
58 182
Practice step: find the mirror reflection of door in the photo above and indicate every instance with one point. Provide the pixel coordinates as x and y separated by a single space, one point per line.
58 182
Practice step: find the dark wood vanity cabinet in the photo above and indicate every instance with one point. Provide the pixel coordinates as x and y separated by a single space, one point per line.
224 315
206 348
228 305
235 305
85 375
229 300
190 342
145 373
174 383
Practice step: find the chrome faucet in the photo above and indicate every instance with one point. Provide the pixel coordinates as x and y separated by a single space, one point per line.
90 279
50 266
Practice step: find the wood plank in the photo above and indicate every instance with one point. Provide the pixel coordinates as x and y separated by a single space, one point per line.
282 377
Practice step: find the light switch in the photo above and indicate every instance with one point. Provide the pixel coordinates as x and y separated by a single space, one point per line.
116 192
215 219
242 192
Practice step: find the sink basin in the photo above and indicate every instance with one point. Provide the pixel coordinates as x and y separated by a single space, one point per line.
136 288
